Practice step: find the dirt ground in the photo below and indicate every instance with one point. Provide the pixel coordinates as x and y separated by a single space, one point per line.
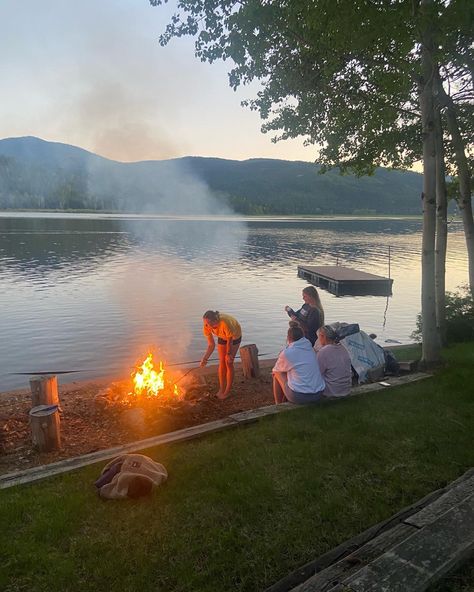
92 420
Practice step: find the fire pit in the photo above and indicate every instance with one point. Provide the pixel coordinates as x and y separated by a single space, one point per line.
97 415
153 385
153 393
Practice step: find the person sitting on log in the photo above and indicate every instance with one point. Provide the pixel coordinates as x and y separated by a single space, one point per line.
296 374
311 315
229 335
334 363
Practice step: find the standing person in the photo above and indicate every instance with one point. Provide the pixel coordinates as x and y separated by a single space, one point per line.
296 375
229 335
311 315
334 363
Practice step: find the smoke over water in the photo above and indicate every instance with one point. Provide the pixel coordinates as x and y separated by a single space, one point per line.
121 123
184 228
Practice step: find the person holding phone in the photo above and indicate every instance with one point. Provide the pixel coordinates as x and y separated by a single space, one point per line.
310 316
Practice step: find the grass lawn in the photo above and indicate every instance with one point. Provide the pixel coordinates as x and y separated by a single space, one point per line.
243 508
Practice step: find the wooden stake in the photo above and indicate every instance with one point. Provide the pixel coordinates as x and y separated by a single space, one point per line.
45 427
44 390
249 358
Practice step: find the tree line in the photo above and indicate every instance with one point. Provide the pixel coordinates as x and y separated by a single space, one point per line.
254 187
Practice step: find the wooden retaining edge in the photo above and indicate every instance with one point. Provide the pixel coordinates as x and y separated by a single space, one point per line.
350 556
232 421
70 464
423 558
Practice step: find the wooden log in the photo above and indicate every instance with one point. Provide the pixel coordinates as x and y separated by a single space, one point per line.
249 358
44 390
45 427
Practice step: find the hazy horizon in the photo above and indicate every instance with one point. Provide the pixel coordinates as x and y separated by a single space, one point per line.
153 159
94 75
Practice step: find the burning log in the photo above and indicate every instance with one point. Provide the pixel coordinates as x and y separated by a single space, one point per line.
149 382
45 428
249 357
44 390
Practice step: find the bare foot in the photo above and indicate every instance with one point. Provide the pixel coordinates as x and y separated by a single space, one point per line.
222 396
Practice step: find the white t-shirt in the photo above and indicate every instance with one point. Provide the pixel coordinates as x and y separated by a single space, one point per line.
299 361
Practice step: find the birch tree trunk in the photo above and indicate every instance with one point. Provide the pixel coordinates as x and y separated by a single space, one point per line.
441 229
464 175
431 348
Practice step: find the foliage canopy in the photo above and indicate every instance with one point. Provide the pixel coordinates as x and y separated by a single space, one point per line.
345 75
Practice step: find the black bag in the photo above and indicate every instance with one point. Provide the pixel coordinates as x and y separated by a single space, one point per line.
391 363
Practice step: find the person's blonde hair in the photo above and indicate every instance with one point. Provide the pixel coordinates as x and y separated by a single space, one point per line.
313 294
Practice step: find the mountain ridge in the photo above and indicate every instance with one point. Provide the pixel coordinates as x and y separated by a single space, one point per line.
36 173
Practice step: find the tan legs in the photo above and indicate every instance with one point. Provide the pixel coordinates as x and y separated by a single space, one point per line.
279 385
226 369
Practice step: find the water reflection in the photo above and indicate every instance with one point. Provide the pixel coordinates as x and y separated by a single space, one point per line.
93 292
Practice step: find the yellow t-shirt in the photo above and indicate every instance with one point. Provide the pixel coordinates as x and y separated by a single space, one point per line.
228 328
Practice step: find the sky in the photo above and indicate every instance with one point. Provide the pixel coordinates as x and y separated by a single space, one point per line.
93 74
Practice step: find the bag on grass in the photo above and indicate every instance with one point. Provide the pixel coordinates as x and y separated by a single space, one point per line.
130 476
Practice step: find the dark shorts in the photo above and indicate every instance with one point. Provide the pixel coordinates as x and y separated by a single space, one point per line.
302 398
224 342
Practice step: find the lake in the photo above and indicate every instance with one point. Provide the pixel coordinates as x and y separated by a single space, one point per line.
94 292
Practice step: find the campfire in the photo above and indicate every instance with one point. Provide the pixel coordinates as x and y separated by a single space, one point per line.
153 387
150 382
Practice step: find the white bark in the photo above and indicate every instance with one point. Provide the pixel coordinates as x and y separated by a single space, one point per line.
441 230
464 175
431 349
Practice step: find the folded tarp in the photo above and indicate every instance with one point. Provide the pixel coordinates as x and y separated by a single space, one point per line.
365 354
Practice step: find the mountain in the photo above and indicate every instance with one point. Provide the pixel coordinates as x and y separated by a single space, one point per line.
36 174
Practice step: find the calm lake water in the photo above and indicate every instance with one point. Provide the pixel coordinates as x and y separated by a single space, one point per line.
94 292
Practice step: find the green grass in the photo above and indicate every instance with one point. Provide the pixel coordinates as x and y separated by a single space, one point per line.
243 508
406 352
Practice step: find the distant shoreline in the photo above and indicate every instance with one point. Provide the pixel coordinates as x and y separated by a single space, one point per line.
140 215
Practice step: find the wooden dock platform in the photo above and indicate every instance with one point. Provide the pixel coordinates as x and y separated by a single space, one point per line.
342 281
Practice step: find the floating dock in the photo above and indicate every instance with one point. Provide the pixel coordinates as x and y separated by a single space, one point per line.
344 281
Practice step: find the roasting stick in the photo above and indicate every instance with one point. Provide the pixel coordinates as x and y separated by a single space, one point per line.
96 369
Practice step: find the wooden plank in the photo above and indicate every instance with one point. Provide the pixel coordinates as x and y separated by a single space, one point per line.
255 414
454 496
300 575
352 563
392 381
423 558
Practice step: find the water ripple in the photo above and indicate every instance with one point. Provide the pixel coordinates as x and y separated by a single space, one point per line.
95 292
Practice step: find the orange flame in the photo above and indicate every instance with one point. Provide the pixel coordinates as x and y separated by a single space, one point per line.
149 382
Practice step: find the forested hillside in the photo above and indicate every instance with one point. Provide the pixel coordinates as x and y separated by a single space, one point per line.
39 174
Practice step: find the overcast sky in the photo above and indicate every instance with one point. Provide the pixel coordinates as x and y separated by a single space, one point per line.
92 73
